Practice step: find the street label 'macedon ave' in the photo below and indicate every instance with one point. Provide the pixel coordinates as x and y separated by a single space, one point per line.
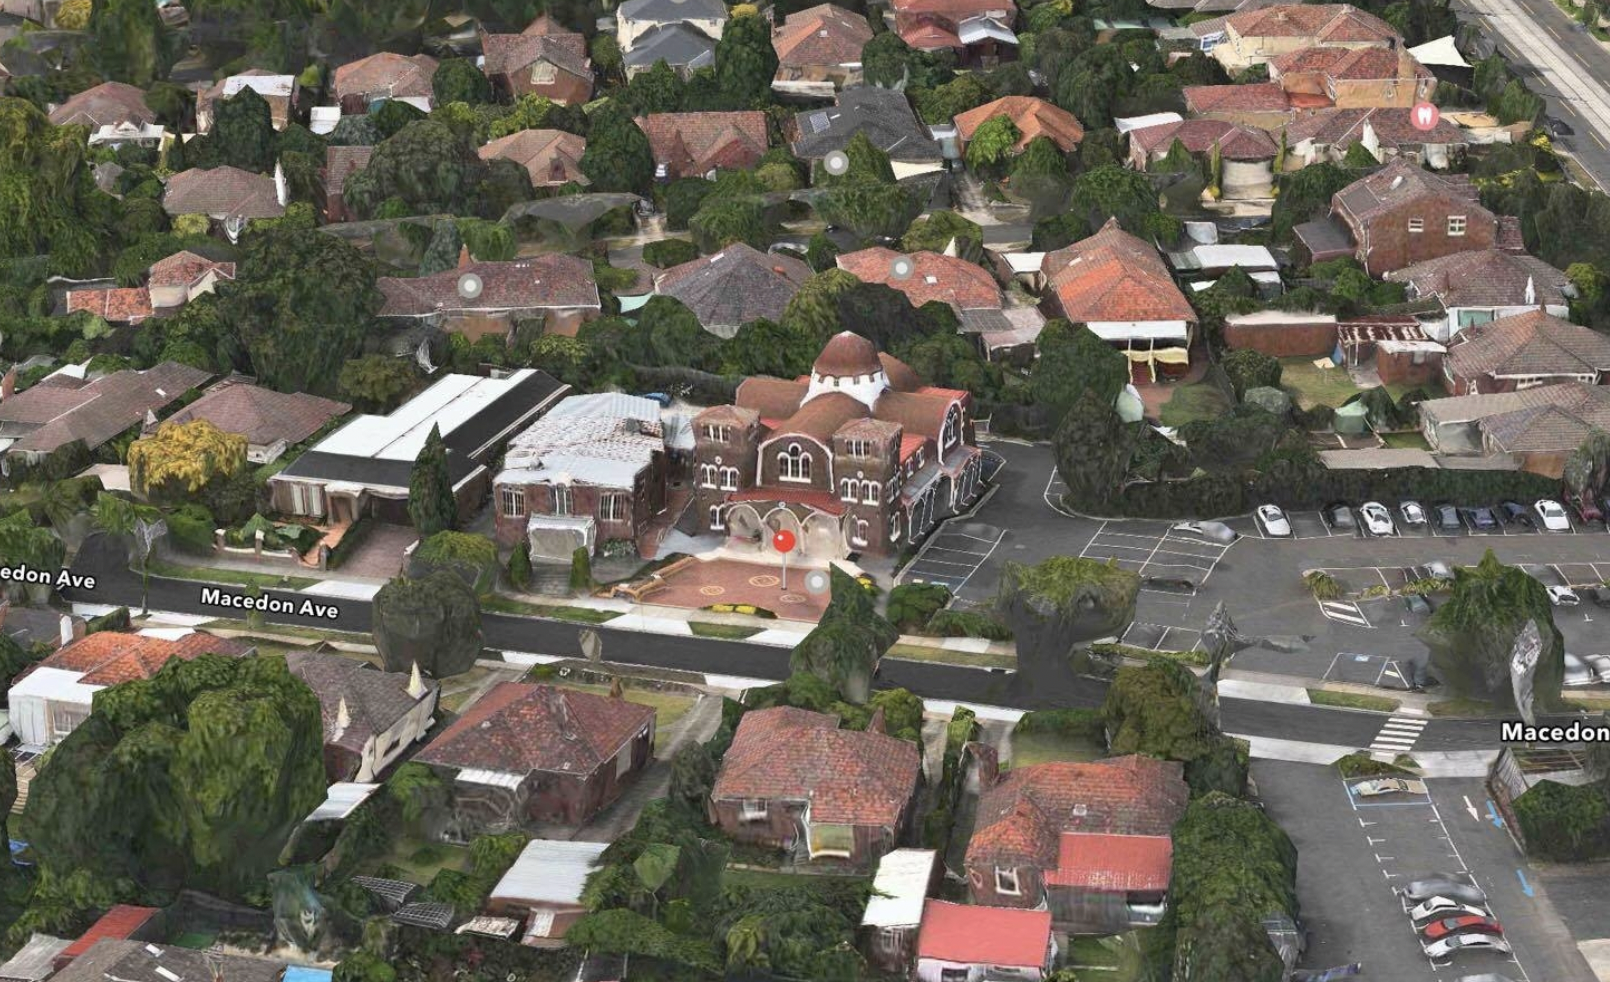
211 596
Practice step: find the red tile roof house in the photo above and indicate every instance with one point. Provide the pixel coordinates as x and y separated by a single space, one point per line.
1352 78
1261 104
63 408
184 276
551 157
1119 287
699 144
979 31
1088 841
272 422
1326 135
340 163
123 922
1255 37
1246 155
1523 352
1402 214
544 60
1477 287
1032 117
53 697
961 943
934 277
821 44
536 753
107 104
227 195
119 305
360 84
555 287
792 779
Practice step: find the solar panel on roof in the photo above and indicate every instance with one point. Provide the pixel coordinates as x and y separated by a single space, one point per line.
394 892
436 916
818 122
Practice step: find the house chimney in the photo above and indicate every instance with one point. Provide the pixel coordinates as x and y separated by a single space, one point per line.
464 257
876 724
8 383
615 690
343 719
282 190
416 684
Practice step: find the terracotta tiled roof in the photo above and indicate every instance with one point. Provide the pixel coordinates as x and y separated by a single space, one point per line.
847 353
1404 180
823 35
340 163
823 501
955 10
185 269
1533 343
118 923
967 934
1114 276
1350 64
821 417
107 104
731 415
693 143
947 279
1023 816
1033 117
517 728
920 413
929 36
386 75
262 416
510 53
1113 863
1485 278
375 700
849 777
551 280
1258 97
222 192
737 285
1332 22
552 157
128 305
109 657
1236 142
771 398
902 378
58 411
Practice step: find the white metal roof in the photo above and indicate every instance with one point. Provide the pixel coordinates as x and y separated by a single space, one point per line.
549 871
605 405
1141 122
604 439
340 801
56 685
493 779
1442 51
1140 330
976 29
1025 262
1280 317
450 403
899 889
263 85
323 119
1248 257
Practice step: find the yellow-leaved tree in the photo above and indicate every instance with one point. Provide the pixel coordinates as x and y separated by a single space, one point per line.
184 457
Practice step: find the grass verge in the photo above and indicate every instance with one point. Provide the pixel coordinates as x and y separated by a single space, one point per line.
922 652
208 574
1193 402
1046 747
1195 657
1462 706
1353 700
725 632
558 612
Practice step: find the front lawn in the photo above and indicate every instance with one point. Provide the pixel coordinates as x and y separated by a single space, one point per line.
1311 386
585 615
1193 402
420 861
209 574
1115 958
1047 746
949 656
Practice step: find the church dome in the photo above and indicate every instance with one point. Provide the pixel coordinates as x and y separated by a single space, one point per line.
848 354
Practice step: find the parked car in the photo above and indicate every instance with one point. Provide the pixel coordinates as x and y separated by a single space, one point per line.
1454 943
1515 513
1449 885
1586 510
1376 518
1416 604
1558 127
1217 531
1412 514
1600 665
1273 521
1340 517
1439 570
1481 519
1439 907
1577 672
1459 925
1553 515
1447 517
1388 785
1563 596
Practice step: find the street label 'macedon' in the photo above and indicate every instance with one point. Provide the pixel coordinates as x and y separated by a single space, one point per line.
58 579
211 596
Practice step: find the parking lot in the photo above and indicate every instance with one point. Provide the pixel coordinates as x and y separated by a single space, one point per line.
954 554
1355 851
1313 525
1156 551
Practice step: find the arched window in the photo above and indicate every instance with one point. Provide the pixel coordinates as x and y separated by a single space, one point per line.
729 478
794 464
871 492
846 489
716 522
707 475
953 427
859 536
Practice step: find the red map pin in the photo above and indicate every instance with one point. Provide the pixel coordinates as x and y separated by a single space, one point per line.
783 541
1425 116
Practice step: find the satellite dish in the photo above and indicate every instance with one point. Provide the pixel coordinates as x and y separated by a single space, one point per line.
469 286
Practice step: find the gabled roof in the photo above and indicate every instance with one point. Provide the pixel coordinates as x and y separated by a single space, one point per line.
947 279
1114 276
1350 64
550 280
849 777
340 163
375 700
222 192
124 305
1331 22
678 45
1540 419
968 934
261 415
1021 819
138 961
672 11
1257 97
110 657
551 157
1485 278
61 409
518 728
699 142
737 285
510 53
269 85
387 75
1341 128
1533 343
107 104
883 115
185 269
821 35
1235 142
1113 863
1402 181
1033 117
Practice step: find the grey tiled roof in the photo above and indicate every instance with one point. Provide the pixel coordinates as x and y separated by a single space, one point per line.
1533 343
375 699
678 45
735 286
1485 278
883 115
672 11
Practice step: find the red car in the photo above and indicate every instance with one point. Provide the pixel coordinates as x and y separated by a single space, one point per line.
1460 925
1585 509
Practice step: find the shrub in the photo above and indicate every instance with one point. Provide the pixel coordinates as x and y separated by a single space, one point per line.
1082 724
1564 822
967 624
473 557
581 570
520 565
1322 585
190 529
913 605
1249 369
666 253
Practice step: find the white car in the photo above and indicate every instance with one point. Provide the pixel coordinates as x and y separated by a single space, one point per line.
1217 531
1600 665
1577 672
1439 907
1447 947
1376 518
1413 515
1553 515
1273 521
1388 785
1563 596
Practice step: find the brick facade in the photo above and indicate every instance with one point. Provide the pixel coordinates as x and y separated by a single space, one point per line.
1304 338
514 504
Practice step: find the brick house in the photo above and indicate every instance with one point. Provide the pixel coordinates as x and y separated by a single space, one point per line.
1033 118
858 457
1352 78
1486 285
961 943
1281 333
1539 427
370 717
553 287
108 104
544 60
821 44
1088 841
229 196
184 276
551 157
1327 134
1260 35
1525 351
360 84
884 116
734 287
978 31
699 144
538 753
1402 214
55 411
1246 154
340 163
794 780
934 277
279 91
272 422
115 305
593 470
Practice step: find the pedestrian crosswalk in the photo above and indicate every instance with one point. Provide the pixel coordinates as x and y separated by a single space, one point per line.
1345 611
1398 735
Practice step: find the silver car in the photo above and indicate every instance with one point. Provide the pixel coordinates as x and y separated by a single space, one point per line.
1274 521
1449 885
1449 946
1600 665
1413 515
1577 673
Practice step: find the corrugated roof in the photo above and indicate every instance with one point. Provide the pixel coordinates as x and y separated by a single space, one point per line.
549 871
34 960
900 888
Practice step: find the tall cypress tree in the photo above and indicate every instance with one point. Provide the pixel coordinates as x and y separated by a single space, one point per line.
430 490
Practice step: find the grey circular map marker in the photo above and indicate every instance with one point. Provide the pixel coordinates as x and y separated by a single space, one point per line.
469 286
837 163
902 268
817 582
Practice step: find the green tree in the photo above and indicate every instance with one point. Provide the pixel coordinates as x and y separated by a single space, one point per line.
1473 632
581 570
665 253
426 165
867 164
1056 604
869 209
128 41
242 133
520 564
1306 194
942 104
1041 158
846 644
606 55
458 80
1564 822
377 383
936 231
1249 369
746 62
884 60
433 621
723 220
618 157
431 505
992 143
658 90
1112 191
1358 157
1074 361
52 205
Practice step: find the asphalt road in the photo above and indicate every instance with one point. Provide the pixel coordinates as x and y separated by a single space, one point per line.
1568 64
